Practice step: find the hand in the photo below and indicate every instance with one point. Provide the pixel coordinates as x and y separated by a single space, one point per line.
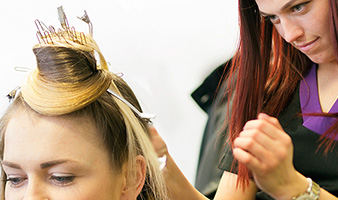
267 151
158 143
179 188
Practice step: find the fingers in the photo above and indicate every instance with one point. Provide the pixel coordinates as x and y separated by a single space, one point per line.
153 132
267 151
262 144
157 141
270 126
246 158
259 158
254 140
254 149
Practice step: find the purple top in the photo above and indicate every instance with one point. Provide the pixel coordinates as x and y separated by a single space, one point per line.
309 101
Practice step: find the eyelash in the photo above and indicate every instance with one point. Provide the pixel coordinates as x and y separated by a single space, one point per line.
297 8
62 180
16 182
269 18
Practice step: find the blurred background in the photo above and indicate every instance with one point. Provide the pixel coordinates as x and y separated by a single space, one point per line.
164 49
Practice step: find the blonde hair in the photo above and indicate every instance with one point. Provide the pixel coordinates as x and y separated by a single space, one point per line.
69 81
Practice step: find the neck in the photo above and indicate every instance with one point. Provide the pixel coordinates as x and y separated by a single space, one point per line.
327 78
330 68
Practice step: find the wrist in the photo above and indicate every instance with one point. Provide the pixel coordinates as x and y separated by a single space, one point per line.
297 185
311 193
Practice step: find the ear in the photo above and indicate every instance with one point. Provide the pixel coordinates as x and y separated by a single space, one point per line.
141 171
135 179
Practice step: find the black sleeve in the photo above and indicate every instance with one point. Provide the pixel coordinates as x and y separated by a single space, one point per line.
205 94
226 161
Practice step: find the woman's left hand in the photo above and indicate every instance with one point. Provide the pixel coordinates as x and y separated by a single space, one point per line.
267 151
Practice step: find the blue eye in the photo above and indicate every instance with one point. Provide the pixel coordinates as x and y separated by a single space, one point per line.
62 180
297 8
272 18
300 7
15 181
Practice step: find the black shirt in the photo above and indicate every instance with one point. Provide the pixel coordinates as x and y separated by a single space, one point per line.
309 159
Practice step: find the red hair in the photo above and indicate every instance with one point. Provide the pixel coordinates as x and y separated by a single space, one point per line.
268 70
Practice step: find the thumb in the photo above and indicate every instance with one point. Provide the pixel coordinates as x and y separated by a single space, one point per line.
153 132
157 141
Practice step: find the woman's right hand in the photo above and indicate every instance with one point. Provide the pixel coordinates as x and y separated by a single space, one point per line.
179 188
265 148
159 145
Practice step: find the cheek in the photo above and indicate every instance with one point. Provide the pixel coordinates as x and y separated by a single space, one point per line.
279 30
318 22
103 190
14 193
103 186
325 26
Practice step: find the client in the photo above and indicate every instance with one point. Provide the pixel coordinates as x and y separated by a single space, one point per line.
72 132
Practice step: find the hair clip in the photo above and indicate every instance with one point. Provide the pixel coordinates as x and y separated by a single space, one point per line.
61 35
38 35
86 19
46 34
83 38
42 32
12 94
21 69
40 25
62 18
146 116
72 33
52 30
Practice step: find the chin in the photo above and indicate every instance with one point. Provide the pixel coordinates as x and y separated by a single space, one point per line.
322 59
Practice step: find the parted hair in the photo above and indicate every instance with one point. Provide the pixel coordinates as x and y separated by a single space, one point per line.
69 81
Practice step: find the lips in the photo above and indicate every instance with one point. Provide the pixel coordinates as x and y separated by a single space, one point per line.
305 47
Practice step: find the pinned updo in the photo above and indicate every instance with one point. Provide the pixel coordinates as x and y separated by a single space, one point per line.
68 81
67 77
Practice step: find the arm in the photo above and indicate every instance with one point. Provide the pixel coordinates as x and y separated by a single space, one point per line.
180 188
227 189
267 151
177 184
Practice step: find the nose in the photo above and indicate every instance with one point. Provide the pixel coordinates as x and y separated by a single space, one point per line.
36 190
291 30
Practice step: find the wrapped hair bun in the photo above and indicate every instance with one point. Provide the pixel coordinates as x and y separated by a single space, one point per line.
66 80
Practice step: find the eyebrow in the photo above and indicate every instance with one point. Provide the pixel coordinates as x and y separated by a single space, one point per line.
52 163
42 165
288 4
11 165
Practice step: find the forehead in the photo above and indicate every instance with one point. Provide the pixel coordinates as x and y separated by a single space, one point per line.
275 6
32 136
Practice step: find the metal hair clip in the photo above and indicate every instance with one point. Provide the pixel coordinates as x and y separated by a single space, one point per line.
21 69
146 116
39 35
46 34
62 18
86 19
12 94
40 26
42 32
